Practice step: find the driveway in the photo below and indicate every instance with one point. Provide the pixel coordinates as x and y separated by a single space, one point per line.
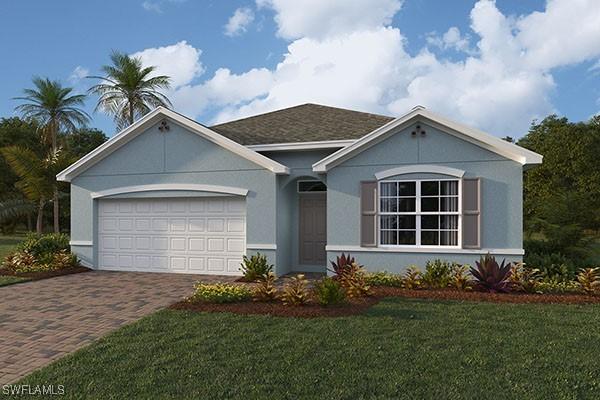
43 320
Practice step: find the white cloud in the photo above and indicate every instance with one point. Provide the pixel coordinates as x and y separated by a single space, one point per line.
319 19
78 74
180 61
356 60
239 21
153 6
451 39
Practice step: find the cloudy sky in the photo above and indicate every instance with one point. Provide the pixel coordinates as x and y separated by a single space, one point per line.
496 65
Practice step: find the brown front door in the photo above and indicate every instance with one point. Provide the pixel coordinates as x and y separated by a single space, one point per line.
313 228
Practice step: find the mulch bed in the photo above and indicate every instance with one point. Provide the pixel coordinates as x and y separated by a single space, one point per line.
34 276
359 306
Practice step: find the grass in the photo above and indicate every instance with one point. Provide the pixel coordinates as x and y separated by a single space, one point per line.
400 349
8 243
9 280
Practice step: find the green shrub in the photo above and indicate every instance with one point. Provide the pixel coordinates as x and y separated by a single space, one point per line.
353 280
437 274
589 280
266 290
220 293
44 247
459 277
551 265
551 286
295 293
329 291
383 278
525 279
412 278
256 267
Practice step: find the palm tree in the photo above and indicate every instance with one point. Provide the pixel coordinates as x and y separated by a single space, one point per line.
127 91
56 109
37 175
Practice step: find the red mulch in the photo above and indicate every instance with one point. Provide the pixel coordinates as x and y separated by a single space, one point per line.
34 276
358 306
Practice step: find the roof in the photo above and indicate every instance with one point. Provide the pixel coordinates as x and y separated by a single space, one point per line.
152 118
303 123
472 135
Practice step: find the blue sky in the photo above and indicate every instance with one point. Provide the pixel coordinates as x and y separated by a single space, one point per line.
494 65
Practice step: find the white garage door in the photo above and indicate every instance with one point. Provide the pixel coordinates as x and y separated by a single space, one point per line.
188 235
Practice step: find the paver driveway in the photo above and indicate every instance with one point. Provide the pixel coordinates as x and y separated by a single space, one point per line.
43 320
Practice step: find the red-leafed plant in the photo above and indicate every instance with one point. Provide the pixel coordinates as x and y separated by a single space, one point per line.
491 277
342 264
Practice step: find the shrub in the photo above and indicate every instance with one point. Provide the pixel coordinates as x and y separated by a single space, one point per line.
551 265
354 281
64 259
437 274
383 278
266 290
459 277
219 293
341 264
19 261
589 280
525 279
329 292
255 267
551 286
490 276
412 278
295 293
44 247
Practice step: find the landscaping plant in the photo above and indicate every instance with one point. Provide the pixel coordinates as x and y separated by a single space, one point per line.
44 247
341 264
219 293
266 290
41 253
555 286
459 277
491 276
525 279
412 278
329 291
255 267
353 279
589 280
295 293
437 274
383 278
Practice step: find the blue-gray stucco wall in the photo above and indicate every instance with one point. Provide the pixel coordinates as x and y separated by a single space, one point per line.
501 196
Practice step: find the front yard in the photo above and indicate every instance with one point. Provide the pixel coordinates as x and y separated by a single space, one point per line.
401 348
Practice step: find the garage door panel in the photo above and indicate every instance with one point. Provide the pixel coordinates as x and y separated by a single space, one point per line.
195 235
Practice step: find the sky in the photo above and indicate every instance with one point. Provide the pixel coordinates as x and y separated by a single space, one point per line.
495 65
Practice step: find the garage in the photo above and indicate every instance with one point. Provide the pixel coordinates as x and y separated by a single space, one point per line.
199 235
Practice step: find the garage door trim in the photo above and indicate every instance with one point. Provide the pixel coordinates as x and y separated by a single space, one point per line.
171 186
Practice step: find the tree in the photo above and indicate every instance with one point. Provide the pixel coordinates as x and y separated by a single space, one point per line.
84 140
36 174
56 109
127 91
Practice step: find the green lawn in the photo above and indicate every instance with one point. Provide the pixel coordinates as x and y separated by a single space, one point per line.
400 349
9 280
8 243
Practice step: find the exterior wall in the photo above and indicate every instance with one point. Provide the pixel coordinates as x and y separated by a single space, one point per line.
182 157
300 164
501 197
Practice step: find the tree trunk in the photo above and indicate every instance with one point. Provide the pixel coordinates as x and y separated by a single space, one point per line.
40 217
130 113
56 212
56 209
29 225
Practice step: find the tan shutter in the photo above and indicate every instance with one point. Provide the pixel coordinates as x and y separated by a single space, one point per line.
471 219
368 214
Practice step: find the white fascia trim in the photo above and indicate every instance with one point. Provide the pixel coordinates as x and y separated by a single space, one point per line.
477 137
171 186
425 168
325 144
81 243
148 120
261 246
424 249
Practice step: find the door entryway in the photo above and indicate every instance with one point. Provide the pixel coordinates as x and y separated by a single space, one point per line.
313 228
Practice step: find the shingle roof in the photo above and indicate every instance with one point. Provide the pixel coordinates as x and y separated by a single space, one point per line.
303 123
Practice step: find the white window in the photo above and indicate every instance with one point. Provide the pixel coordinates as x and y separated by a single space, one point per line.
419 213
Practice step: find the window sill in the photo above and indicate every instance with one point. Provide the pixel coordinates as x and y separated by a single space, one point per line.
425 249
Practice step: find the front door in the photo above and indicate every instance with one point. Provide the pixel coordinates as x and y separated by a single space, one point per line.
313 228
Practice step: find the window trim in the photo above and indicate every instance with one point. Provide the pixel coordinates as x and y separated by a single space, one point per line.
418 212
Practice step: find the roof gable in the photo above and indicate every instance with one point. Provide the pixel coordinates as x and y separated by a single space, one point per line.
303 123
152 118
484 140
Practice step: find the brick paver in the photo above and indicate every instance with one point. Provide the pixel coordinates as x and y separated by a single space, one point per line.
44 320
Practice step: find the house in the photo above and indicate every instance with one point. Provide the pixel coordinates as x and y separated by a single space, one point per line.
301 185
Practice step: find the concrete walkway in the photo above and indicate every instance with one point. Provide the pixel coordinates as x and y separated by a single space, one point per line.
42 321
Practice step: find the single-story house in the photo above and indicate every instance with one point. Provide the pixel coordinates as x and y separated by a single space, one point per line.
300 185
